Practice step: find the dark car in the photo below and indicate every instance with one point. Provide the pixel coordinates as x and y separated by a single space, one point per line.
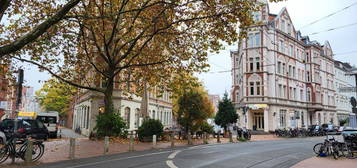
27 127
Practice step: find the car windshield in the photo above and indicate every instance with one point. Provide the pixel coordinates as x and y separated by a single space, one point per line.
47 119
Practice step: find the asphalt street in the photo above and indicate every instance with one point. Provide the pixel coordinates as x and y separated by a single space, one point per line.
260 154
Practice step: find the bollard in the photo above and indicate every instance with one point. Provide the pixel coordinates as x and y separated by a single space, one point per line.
218 137
230 137
106 145
154 141
131 144
28 153
205 138
189 138
72 148
172 139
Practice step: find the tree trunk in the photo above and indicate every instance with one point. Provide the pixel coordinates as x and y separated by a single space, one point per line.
108 96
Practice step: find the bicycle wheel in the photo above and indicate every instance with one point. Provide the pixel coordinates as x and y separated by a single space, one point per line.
318 148
4 153
37 151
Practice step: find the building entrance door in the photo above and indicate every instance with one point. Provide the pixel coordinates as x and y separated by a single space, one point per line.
258 121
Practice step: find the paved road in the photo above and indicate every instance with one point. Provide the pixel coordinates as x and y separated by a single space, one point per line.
260 154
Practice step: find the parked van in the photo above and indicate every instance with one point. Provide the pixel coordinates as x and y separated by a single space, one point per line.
50 120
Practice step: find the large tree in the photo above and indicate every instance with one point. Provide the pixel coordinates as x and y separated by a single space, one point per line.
145 42
26 21
226 114
56 96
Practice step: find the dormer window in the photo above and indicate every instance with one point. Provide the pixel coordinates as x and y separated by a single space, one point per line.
289 29
282 25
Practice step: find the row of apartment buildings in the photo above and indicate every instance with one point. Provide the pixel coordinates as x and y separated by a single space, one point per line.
282 79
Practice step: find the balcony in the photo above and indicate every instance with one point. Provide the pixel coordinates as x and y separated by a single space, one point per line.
315 106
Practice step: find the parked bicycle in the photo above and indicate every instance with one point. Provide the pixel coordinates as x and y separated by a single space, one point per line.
10 149
330 147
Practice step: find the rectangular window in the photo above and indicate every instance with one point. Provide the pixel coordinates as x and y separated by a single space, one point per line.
308 95
280 91
282 47
291 51
279 67
284 72
282 118
283 25
301 95
257 59
250 40
289 29
294 73
258 88
294 94
257 39
308 76
251 64
302 119
251 88
290 71
284 91
290 92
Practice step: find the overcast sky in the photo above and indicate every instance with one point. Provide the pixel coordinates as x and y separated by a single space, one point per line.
302 12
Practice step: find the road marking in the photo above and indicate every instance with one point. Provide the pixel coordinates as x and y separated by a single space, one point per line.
172 155
110 160
171 164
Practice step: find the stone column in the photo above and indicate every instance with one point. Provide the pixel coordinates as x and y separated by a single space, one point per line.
266 120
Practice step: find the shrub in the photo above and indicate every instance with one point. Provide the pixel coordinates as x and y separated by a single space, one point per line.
149 128
344 121
205 127
110 124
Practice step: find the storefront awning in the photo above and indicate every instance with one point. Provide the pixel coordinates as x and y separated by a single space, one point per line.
257 106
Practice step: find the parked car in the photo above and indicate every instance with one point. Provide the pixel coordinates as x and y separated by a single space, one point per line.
328 128
27 127
218 129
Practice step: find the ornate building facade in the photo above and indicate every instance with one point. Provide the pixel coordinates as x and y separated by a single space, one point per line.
282 79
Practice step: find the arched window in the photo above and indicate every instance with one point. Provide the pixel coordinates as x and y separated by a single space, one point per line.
127 116
137 118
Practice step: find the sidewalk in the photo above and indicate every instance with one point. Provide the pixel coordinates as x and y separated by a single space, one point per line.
326 162
58 149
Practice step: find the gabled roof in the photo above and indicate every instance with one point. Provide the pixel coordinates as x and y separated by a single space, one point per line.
284 9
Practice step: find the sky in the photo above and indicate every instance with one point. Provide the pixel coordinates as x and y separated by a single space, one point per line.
302 12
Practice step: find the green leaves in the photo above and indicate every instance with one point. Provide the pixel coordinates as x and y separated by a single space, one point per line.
149 128
226 113
56 96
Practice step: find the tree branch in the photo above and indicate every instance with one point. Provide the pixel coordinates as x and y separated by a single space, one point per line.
58 76
4 4
38 30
